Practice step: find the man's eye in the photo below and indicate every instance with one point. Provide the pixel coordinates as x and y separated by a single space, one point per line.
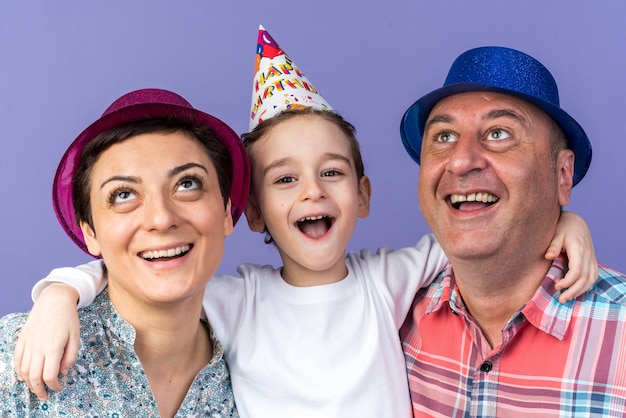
446 137
497 135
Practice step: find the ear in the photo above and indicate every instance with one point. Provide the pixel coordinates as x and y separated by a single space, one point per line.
565 173
90 239
228 220
254 216
365 193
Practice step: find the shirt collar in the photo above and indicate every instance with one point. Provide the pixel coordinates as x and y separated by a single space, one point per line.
126 333
543 310
113 320
444 291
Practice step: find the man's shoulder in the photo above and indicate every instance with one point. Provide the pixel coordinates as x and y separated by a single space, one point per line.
610 287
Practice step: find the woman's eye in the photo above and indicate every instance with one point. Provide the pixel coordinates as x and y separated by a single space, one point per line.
446 137
121 196
188 184
497 135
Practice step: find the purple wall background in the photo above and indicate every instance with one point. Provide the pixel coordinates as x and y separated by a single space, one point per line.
62 63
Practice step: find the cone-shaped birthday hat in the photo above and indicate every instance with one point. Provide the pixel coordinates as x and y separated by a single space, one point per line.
278 83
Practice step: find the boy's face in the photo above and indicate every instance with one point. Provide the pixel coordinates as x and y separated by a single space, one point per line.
306 192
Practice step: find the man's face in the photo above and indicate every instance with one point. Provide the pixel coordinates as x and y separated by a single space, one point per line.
488 182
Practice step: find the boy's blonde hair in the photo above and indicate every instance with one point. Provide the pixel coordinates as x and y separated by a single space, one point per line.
250 138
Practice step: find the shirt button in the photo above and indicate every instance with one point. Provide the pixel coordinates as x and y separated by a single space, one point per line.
486 367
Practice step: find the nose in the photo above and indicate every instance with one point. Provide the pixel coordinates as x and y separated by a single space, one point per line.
466 156
160 214
312 188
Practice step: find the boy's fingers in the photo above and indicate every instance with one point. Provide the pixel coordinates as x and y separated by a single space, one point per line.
569 283
25 364
571 292
33 378
38 389
51 371
69 356
572 274
593 272
553 252
17 359
587 275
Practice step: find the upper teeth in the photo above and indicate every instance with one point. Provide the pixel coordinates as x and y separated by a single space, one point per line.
474 197
151 255
312 218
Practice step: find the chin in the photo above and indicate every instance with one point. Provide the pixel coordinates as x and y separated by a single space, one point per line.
468 247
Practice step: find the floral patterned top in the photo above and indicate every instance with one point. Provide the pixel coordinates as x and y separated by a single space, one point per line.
108 380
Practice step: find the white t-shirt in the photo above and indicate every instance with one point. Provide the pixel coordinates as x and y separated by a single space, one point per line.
321 351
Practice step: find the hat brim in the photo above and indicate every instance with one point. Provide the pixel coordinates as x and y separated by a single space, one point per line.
414 120
62 189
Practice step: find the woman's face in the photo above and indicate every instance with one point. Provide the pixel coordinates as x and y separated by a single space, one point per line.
159 217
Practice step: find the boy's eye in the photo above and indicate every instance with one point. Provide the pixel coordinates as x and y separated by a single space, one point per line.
286 179
331 173
497 135
445 137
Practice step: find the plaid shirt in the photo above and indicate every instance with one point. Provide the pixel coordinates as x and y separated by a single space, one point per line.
554 360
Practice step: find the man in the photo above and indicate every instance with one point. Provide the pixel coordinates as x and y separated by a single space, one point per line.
498 159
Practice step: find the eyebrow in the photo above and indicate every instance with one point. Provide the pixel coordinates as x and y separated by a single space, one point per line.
332 156
284 161
276 164
438 119
494 114
172 173
504 113
177 170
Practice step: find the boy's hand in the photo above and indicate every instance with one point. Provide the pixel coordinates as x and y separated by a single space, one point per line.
573 237
49 340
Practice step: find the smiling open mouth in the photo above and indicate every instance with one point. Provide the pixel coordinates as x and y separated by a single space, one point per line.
164 255
315 226
473 200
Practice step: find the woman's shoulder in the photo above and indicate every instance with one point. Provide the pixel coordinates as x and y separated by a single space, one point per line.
10 326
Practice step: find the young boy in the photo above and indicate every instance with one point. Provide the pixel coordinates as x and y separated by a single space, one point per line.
318 336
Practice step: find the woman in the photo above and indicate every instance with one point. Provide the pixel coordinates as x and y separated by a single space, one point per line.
153 187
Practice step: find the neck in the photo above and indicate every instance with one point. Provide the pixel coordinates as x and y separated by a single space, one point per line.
165 331
161 339
171 364
493 290
303 276
171 343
